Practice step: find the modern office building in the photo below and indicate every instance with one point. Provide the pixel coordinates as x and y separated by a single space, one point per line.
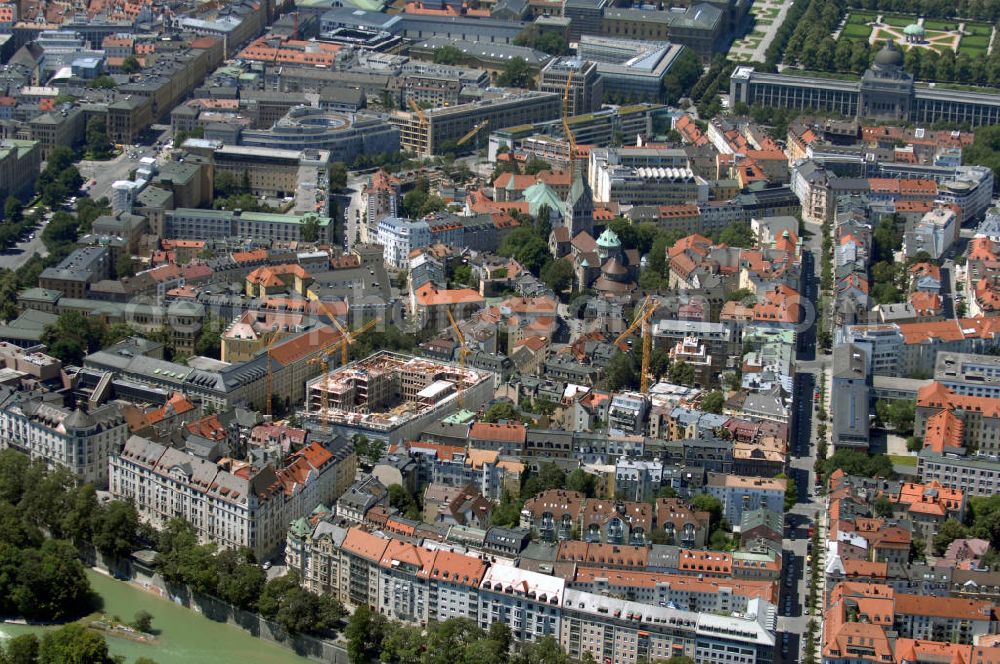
631 69
189 224
428 132
968 374
699 26
851 397
884 92
344 136
738 494
582 80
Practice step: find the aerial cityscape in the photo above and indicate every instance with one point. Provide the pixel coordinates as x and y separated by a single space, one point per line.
500 331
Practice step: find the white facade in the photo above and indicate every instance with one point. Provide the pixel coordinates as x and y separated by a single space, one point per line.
934 233
244 508
527 602
75 440
399 237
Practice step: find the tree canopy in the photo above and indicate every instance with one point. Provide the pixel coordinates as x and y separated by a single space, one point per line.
516 74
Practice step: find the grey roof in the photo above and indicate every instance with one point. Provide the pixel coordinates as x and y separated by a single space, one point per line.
751 519
78 420
849 361
488 51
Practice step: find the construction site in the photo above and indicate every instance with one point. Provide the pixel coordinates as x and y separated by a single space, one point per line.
393 397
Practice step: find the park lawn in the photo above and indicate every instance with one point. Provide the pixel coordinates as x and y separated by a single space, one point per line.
981 29
975 41
903 460
856 32
941 26
898 21
763 21
860 18
972 51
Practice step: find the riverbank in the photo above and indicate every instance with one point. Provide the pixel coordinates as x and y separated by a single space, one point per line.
184 636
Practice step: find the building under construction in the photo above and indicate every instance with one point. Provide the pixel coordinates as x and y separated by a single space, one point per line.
394 397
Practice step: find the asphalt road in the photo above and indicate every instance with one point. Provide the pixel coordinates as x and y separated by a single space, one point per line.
107 172
353 213
18 255
809 365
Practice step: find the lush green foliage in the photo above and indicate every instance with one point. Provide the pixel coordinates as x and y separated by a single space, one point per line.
501 410
516 74
371 638
900 413
60 179
853 462
42 578
547 42
72 644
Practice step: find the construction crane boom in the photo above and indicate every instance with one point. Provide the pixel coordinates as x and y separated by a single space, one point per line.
347 338
416 109
641 322
472 132
462 352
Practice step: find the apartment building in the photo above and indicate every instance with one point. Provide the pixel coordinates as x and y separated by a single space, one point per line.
626 632
230 503
529 603
419 584
904 349
739 494
380 198
77 440
979 417
399 237
74 274
681 591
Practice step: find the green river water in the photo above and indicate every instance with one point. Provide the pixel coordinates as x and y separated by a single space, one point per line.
185 636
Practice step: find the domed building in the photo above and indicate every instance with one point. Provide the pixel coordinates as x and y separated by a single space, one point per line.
914 33
886 90
889 58
619 268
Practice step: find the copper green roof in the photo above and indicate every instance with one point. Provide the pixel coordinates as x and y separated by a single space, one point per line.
541 194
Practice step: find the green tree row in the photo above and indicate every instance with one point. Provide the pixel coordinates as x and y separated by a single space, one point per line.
235 577
45 521
71 644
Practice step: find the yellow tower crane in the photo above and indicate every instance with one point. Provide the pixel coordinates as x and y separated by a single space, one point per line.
416 109
462 352
472 132
642 316
346 339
